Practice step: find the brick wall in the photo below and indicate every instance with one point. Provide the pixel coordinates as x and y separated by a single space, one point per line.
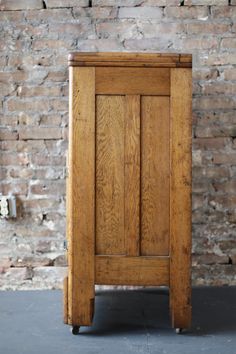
35 39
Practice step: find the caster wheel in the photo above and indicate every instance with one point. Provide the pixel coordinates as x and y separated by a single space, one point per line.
178 330
75 330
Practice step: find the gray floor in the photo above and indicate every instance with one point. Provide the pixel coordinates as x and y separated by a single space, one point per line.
125 322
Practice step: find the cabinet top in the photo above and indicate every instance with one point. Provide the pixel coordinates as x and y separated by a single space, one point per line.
171 60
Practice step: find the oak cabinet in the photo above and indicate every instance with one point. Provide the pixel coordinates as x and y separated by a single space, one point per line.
129 180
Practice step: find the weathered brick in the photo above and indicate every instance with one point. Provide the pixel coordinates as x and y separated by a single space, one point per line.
48 16
201 28
20 4
140 12
16 188
185 12
40 133
58 105
8 134
34 82
45 44
211 143
18 105
155 44
213 103
121 30
117 2
95 12
31 261
24 173
11 158
228 43
229 74
224 158
33 91
191 44
205 74
48 188
71 31
65 3
223 12
49 120
151 29
29 146
209 258
206 2
219 88
47 160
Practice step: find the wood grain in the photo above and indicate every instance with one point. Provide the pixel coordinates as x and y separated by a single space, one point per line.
110 112
80 213
131 81
155 173
65 300
132 175
118 270
180 198
130 59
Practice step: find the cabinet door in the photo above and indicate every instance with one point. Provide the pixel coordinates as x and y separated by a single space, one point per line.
132 161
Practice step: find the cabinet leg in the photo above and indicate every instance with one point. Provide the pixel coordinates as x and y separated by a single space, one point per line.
181 312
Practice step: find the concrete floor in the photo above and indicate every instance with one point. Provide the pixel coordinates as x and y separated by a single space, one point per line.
125 322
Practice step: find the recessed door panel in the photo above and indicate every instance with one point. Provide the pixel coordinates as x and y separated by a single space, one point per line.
110 113
155 172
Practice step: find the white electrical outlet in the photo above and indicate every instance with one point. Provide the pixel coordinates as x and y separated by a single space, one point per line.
7 206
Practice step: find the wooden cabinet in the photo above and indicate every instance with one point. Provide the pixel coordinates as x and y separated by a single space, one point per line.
129 181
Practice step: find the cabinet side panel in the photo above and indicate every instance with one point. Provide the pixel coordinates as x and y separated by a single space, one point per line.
80 212
110 112
155 175
180 197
